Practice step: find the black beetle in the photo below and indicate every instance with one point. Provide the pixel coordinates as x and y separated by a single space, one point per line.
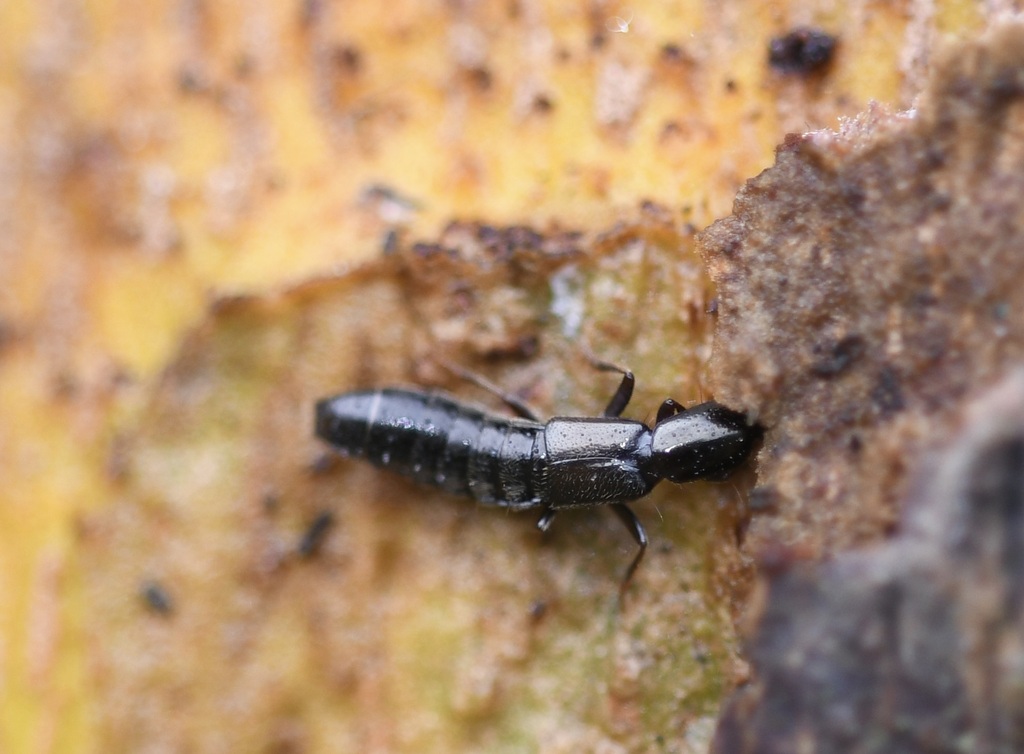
522 463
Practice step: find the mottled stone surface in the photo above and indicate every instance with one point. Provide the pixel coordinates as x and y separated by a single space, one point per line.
915 646
869 282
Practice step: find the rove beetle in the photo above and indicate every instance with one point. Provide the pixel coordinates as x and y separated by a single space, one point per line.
521 463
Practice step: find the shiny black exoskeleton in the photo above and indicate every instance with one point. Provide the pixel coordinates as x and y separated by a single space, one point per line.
522 463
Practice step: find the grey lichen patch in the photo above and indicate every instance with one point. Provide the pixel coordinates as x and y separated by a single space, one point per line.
915 646
868 282
619 94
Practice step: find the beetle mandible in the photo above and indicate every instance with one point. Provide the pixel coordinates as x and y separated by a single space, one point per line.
522 463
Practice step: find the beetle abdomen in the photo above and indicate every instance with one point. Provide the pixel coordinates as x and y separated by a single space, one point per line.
434 440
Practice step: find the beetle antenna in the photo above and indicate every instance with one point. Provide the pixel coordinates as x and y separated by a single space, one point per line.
518 406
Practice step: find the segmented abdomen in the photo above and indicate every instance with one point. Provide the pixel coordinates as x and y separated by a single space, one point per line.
435 440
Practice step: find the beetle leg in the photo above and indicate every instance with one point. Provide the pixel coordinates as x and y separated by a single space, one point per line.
626 515
669 409
621 398
544 522
519 407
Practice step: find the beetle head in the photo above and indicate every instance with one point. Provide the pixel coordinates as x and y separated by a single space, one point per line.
705 442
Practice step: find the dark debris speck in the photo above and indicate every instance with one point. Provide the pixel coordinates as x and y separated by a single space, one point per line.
833 357
156 597
801 51
313 537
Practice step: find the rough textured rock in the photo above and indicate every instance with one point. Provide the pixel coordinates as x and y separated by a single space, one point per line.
871 288
914 646
869 282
